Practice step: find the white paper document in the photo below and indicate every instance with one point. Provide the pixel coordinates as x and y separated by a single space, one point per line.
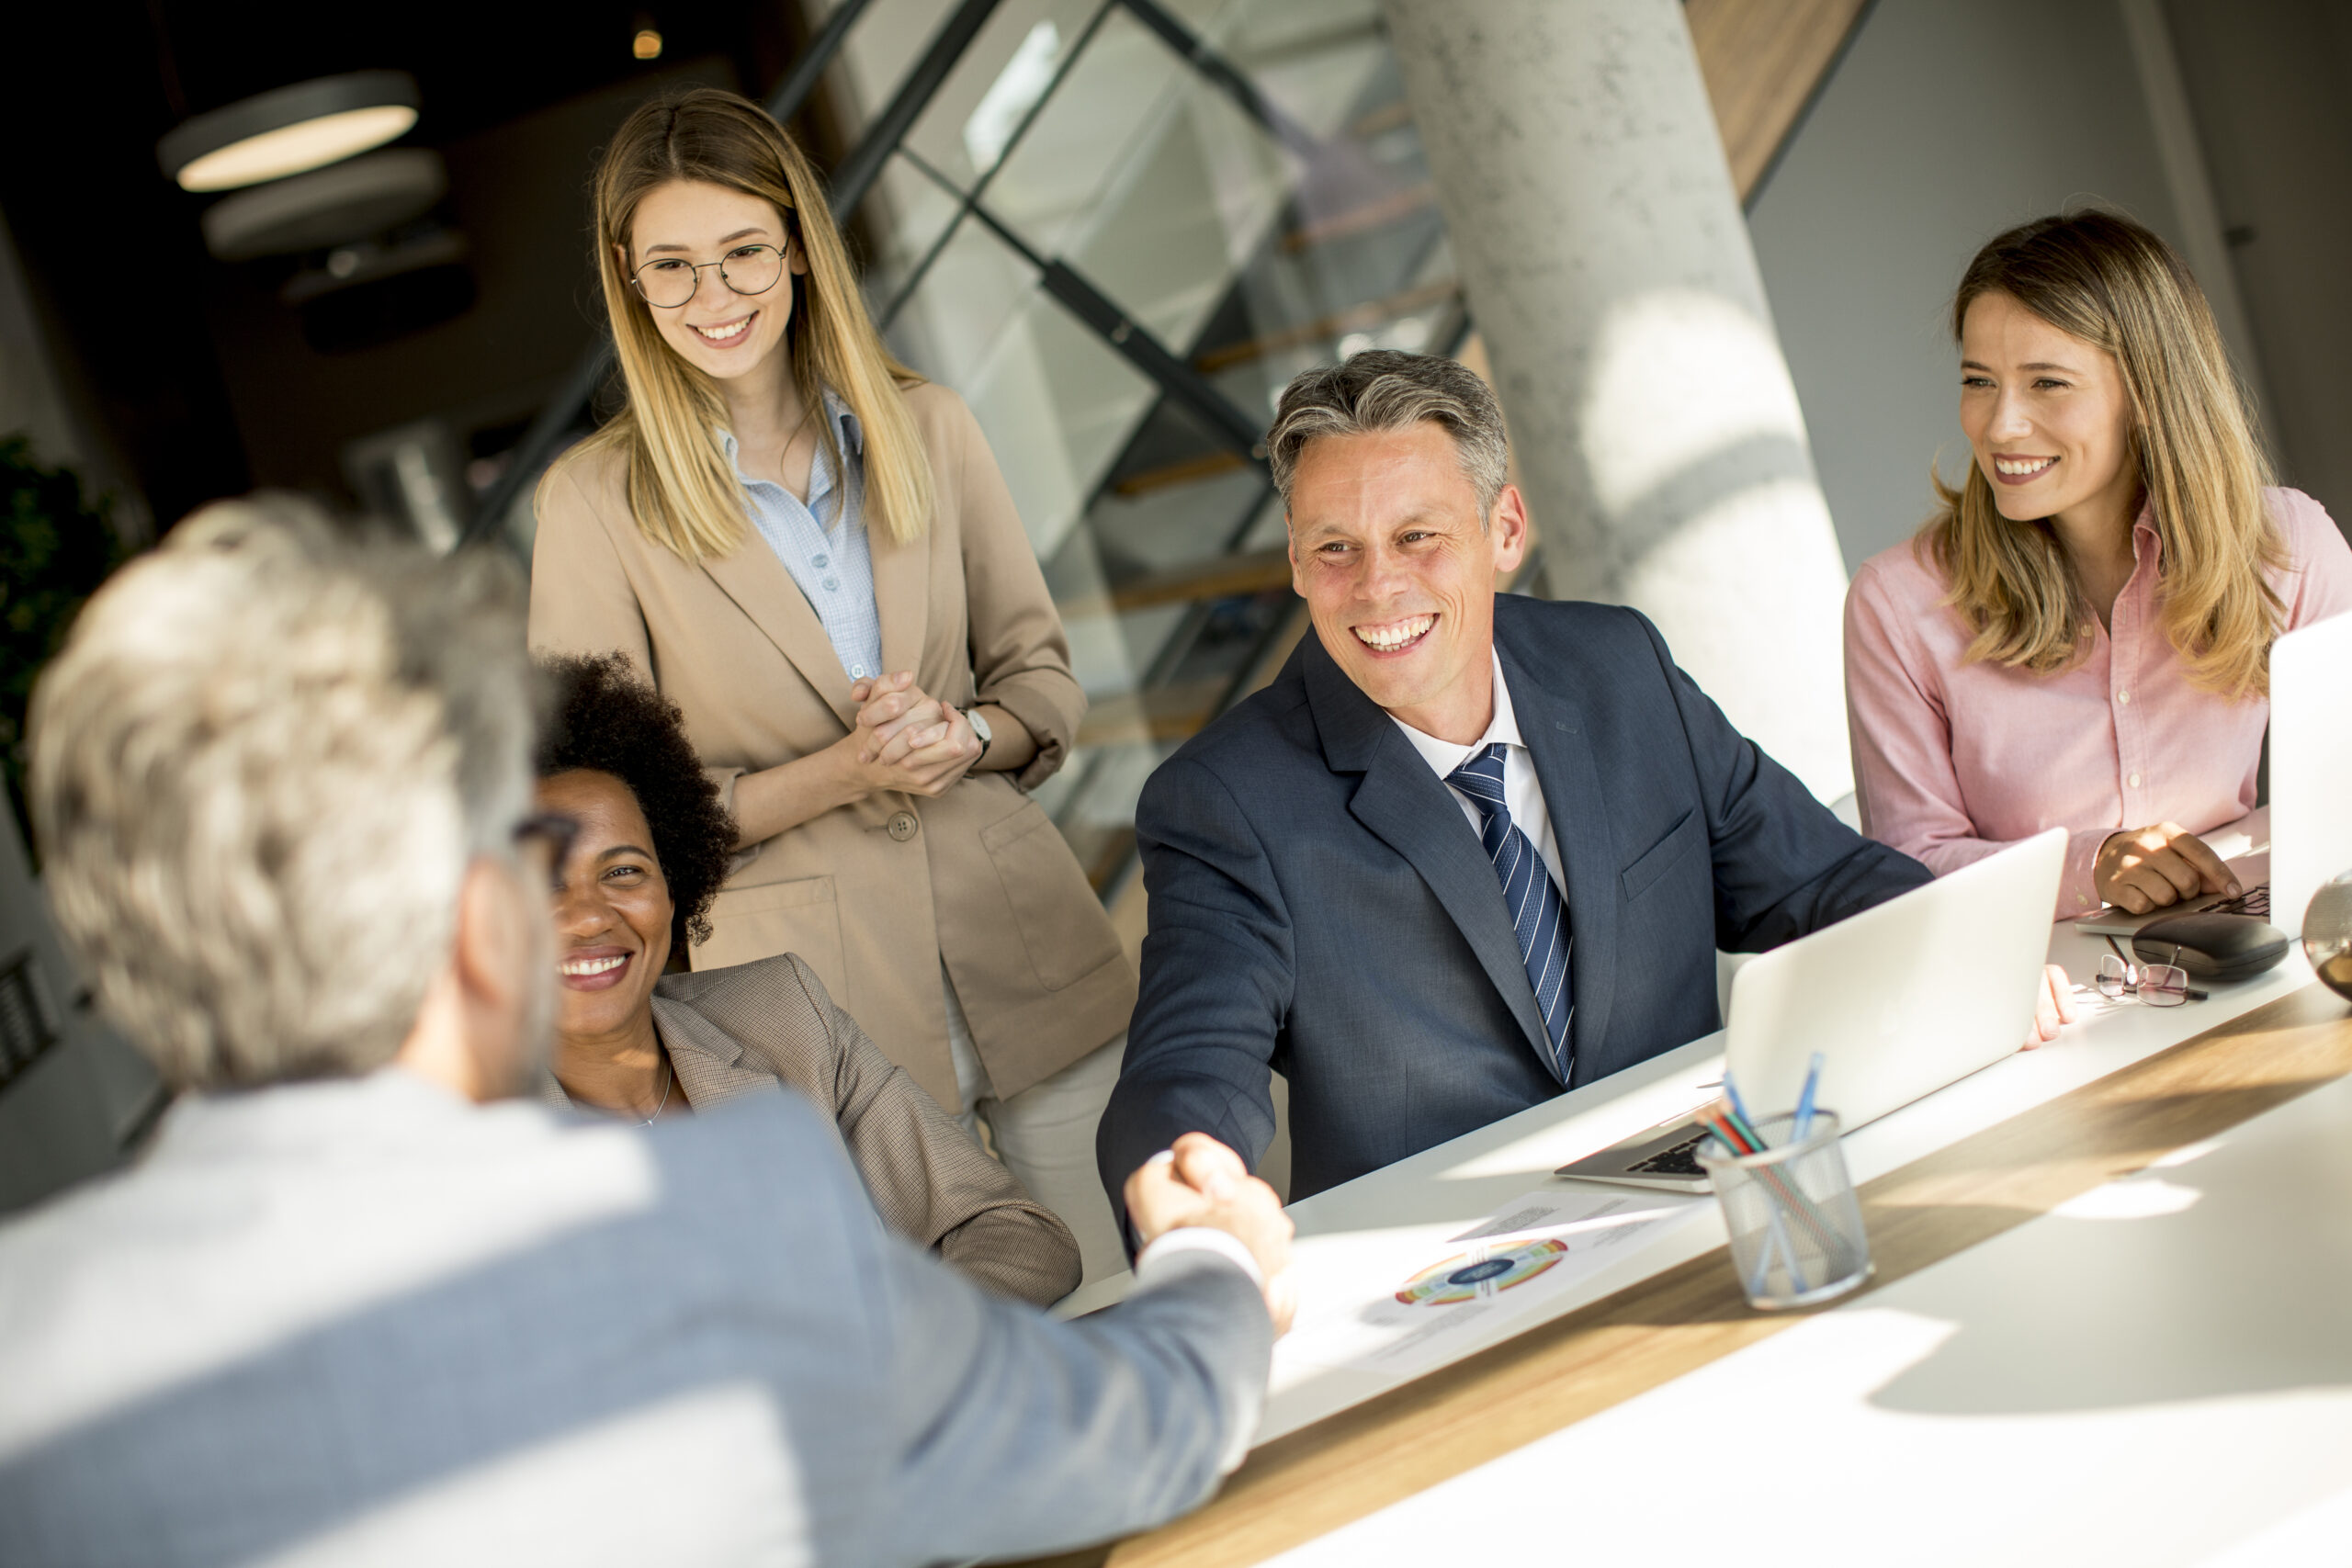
1412 1309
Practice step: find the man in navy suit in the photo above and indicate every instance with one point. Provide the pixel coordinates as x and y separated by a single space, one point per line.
1468 849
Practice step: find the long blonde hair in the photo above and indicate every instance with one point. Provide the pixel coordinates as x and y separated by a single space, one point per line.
2104 279
681 486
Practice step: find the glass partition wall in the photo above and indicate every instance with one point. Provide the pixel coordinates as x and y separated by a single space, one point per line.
1117 228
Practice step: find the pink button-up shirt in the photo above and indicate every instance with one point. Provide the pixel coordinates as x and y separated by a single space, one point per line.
1955 761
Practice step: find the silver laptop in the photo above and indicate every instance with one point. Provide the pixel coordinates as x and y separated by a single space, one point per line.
1900 1000
2282 854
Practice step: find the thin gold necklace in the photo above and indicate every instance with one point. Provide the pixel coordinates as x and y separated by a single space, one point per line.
669 1080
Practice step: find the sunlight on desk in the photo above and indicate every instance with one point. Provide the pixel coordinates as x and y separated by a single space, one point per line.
1949 1177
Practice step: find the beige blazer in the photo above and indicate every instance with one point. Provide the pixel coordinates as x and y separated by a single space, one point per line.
874 895
760 1027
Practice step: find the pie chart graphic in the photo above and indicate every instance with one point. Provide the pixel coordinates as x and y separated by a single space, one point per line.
1481 1272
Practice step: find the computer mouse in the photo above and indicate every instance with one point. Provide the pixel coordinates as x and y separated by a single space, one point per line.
2211 947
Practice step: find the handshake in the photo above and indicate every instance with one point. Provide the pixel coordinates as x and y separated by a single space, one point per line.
1199 1181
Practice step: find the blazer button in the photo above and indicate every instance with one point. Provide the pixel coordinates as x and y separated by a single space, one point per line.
903 826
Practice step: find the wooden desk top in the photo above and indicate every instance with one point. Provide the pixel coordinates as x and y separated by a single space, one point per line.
1317 1479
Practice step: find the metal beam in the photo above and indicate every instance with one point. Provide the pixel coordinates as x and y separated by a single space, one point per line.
864 165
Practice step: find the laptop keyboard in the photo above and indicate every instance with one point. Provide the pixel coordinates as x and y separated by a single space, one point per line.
2254 901
1675 1160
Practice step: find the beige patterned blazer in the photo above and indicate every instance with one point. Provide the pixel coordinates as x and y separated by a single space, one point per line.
874 895
758 1028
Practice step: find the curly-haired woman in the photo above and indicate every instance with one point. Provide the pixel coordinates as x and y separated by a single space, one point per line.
635 886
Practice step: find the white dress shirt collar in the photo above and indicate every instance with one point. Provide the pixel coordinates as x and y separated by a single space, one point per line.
1443 755
1523 791
849 435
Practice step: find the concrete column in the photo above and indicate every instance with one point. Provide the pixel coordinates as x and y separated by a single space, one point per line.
1608 268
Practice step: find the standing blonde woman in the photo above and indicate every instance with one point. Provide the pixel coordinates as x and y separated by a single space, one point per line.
2081 639
812 552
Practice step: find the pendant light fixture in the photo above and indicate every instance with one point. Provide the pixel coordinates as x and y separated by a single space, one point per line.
348 200
289 130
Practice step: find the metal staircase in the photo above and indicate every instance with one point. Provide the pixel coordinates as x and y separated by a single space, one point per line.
1120 230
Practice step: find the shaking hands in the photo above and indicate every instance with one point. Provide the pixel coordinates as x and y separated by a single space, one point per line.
1201 1182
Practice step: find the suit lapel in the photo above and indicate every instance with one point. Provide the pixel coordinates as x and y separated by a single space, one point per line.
901 571
901 597
766 595
708 1061
1403 803
1552 724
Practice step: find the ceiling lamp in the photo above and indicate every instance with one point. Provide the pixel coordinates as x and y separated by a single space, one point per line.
289 130
326 207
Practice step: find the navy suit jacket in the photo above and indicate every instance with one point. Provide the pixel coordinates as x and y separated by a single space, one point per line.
1319 904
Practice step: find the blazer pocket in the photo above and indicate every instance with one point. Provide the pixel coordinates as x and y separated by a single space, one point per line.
1061 921
1664 855
748 924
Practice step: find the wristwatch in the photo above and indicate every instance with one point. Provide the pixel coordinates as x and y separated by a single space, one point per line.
979 727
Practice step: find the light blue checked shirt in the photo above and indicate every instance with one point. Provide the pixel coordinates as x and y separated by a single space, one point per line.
823 543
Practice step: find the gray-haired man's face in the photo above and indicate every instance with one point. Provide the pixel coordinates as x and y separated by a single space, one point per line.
1398 567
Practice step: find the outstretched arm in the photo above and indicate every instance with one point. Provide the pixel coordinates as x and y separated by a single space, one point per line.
1024 1436
1216 981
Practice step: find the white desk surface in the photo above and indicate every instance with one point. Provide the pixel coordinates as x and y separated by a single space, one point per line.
2157 1372
1359 1240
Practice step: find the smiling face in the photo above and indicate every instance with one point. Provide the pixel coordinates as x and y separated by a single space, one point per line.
723 334
2048 416
612 912
1398 573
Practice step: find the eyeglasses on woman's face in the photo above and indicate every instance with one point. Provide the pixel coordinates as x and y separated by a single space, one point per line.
669 283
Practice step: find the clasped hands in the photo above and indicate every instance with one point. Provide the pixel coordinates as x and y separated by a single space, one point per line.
906 740
1199 1181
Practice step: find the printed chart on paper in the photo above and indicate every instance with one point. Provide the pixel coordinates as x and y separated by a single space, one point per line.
1384 1309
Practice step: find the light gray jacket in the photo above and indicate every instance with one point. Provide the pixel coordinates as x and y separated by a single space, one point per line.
364 1322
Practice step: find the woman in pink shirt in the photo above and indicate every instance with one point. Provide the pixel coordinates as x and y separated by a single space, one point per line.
2081 637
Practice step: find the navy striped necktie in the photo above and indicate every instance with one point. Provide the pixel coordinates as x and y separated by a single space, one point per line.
1538 916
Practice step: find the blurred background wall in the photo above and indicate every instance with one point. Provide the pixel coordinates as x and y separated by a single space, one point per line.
1949 120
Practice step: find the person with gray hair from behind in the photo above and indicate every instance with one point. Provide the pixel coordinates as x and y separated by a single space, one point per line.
358 1303
1469 849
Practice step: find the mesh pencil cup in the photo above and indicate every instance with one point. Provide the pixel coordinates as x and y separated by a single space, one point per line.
1796 1227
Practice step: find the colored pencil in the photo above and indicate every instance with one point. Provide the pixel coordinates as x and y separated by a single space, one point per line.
1801 1124
1738 1106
